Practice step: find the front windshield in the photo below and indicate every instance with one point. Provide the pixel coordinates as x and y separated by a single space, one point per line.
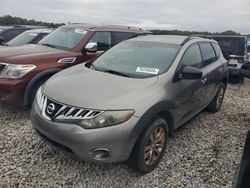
22 39
137 59
64 38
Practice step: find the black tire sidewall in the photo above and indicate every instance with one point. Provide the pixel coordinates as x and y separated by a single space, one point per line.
156 122
222 86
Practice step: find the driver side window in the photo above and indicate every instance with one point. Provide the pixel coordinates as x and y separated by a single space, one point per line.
192 57
103 40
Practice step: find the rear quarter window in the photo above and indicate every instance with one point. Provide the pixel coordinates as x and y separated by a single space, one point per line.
216 49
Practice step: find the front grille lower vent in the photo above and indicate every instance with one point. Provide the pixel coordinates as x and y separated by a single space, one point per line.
52 110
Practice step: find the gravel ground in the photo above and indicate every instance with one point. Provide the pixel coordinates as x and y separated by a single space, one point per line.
203 153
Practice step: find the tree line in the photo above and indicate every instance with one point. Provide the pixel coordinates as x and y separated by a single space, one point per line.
13 20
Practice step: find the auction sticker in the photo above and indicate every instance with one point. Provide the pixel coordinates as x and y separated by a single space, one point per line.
81 31
147 70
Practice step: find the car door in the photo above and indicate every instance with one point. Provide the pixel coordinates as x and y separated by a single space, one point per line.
212 68
189 98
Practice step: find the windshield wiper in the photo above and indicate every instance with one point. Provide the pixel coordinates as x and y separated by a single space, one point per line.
49 45
116 73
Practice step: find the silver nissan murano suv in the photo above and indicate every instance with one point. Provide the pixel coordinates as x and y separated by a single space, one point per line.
123 105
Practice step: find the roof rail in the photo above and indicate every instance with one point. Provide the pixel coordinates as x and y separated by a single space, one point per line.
195 36
123 27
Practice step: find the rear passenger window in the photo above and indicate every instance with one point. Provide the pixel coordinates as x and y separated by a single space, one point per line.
120 36
208 53
103 40
192 57
216 49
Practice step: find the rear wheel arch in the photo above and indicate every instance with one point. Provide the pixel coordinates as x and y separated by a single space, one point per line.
34 83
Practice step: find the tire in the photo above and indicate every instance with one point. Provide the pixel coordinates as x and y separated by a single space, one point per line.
217 101
236 79
239 79
33 92
138 160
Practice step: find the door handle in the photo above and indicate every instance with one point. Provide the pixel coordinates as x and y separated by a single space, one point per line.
221 69
204 80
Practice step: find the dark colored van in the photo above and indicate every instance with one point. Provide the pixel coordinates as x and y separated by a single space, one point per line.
234 49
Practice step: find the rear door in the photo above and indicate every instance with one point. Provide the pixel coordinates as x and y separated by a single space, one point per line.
213 69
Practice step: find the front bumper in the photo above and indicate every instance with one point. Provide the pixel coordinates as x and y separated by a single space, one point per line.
118 140
12 91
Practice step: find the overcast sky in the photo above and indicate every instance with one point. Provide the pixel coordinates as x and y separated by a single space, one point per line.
198 15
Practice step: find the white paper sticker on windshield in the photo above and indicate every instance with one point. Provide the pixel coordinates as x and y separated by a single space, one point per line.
82 31
33 34
148 70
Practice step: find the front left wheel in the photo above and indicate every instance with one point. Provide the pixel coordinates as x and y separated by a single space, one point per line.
150 146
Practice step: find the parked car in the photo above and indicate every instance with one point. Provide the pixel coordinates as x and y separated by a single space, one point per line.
9 32
242 176
245 70
32 36
24 68
248 51
124 104
235 51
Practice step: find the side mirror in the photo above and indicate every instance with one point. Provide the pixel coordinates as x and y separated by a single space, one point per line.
190 73
91 47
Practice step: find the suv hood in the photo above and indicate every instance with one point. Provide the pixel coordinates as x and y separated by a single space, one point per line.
86 88
27 53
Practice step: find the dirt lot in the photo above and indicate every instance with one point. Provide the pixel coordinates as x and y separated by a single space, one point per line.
203 153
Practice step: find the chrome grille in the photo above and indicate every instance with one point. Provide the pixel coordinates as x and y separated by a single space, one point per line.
52 110
2 66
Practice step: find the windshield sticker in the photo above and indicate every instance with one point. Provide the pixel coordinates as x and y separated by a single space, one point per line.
82 31
148 70
33 34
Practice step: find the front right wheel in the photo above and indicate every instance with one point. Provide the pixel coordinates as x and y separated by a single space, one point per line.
150 146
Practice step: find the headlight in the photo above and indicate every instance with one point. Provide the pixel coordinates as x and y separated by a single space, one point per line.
108 118
16 71
39 97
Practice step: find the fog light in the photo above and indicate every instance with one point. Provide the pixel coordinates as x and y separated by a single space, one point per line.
101 153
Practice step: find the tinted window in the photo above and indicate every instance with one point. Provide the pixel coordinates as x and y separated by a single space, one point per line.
12 33
207 52
216 49
248 48
103 40
120 36
192 57
39 37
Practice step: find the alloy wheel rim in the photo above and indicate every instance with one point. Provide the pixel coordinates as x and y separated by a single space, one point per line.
154 146
219 98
